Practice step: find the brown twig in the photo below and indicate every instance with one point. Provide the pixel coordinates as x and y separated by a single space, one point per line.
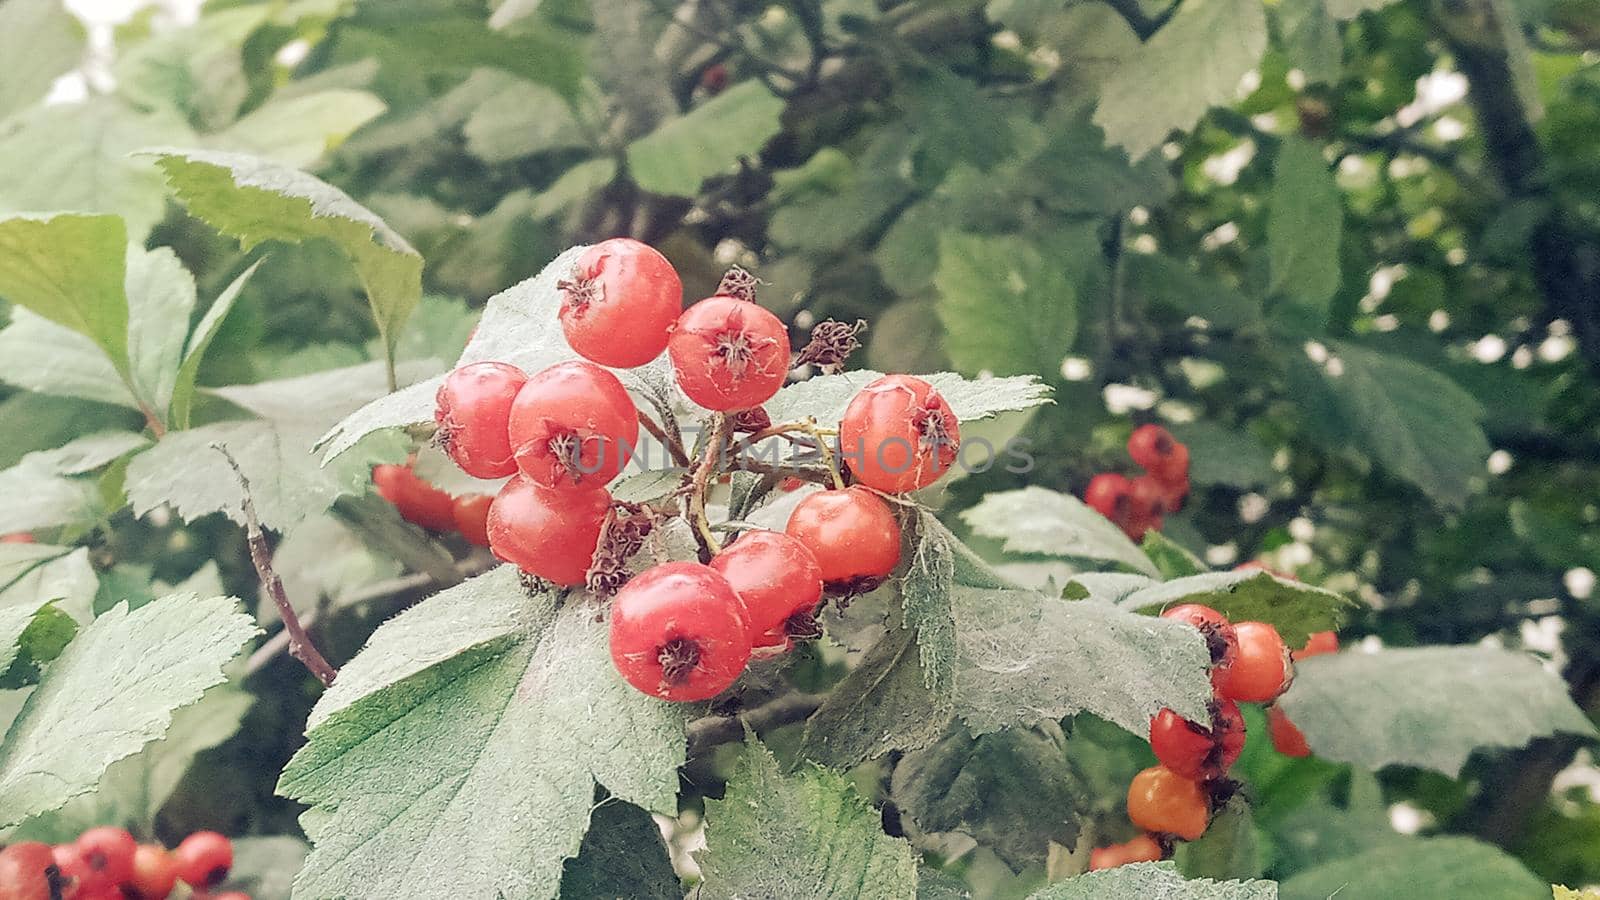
699 482
300 645
713 731
674 447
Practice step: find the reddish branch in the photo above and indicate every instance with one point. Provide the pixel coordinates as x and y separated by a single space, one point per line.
300 645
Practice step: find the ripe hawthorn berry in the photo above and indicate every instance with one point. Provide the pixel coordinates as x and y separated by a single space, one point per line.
853 535
620 302
70 863
573 427
1108 495
1173 493
471 513
551 534
1227 725
1159 453
1261 670
1139 849
204 859
1221 640
729 353
17 537
28 871
155 873
418 501
107 853
1162 801
1182 746
473 410
1147 500
899 434
1318 644
679 632
779 582
1286 736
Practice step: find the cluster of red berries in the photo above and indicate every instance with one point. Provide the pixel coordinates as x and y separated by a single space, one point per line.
1175 799
682 630
107 864
422 504
1137 505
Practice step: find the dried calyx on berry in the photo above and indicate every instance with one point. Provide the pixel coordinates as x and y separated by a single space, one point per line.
830 345
622 535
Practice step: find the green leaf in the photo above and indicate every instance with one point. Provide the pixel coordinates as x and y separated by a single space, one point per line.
622 856
519 327
803 835
1294 608
255 200
133 789
1228 849
32 575
1170 557
1193 63
1076 172
519 120
32 421
160 302
1004 308
113 691
297 131
1026 658
266 866
708 141
826 397
199 341
1146 881
1310 38
41 491
1163 280
1417 423
1349 9
29 639
76 156
1223 455
953 120
464 720
1429 707
1013 792
925 592
644 487
36 354
1304 223
883 704
69 269
1038 520
45 40
1446 868
418 37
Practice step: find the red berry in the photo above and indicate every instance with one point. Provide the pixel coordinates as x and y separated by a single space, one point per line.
17 537
1147 500
418 501
678 632
1227 725
551 534
1181 745
1319 643
620 302
1286 736
1157 452
471 512
729 353
229 895
714 79
777 578
70 863
27 871
899 434
474 412
573 427
1173 493
1215 628
155 873
1108 495
107 853
1140 849
1163 801
852 533
1261 670
204 859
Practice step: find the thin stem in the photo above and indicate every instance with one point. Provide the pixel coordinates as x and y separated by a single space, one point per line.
819 435
674 446
714 731
700 482
300 645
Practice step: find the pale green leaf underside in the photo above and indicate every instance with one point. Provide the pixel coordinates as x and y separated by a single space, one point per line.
803 835
710 139
1153 881
36 354
112 691
255 200
1039 520
47 36
1447 868
42 490
34 574
463 745
1193 63
1429 707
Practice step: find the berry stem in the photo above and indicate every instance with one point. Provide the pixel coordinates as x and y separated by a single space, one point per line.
700 481
300 645
819 436
712 731
673 445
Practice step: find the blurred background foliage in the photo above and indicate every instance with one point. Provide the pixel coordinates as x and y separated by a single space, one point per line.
1348 250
